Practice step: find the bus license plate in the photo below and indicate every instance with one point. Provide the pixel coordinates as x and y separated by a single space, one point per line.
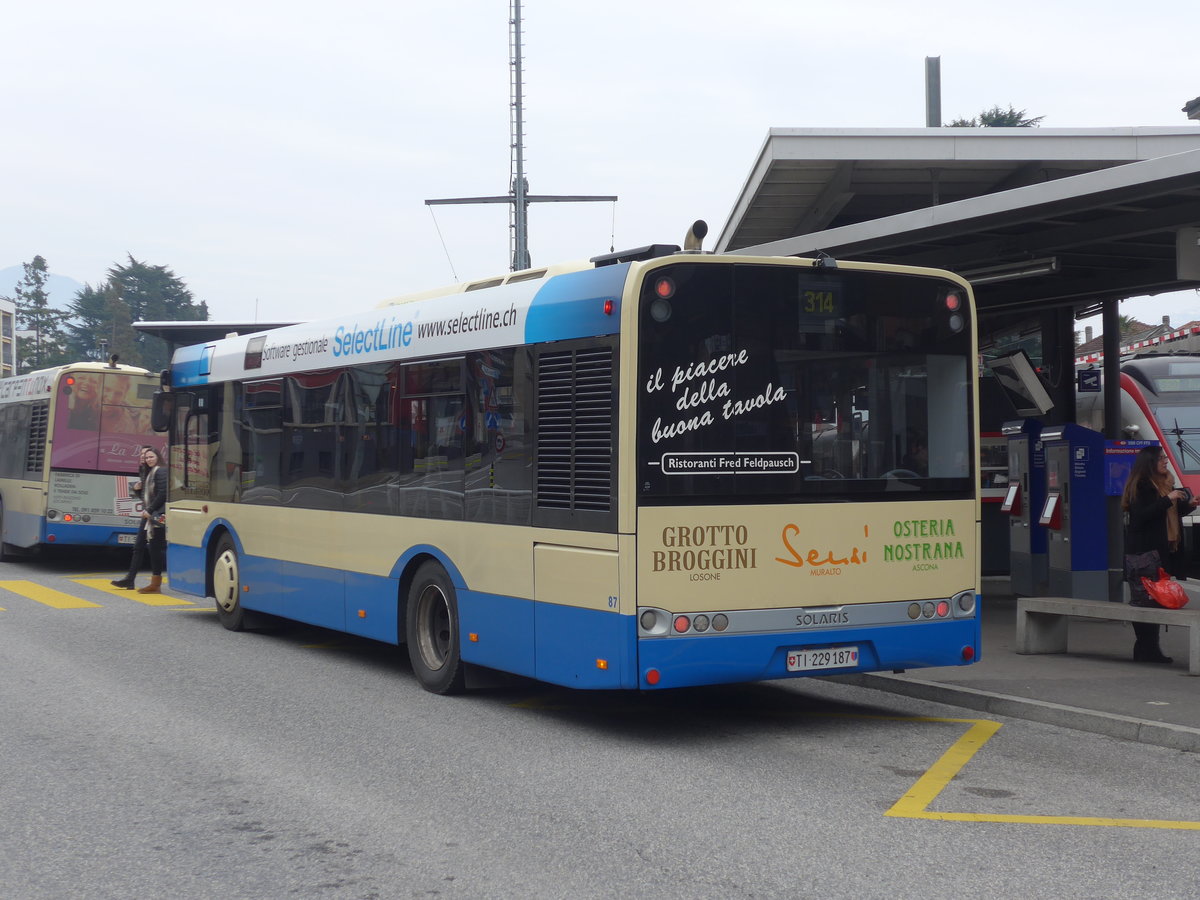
822 658
126 538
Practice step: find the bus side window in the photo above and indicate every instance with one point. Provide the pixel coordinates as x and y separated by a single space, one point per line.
499 479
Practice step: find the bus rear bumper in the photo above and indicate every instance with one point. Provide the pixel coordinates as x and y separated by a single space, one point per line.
56 534
672 662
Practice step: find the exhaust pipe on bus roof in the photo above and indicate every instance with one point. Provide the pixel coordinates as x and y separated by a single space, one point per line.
695 237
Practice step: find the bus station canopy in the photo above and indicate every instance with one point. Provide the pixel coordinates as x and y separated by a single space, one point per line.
184 334
1034 217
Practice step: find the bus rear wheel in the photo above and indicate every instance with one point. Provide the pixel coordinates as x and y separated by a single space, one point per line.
432 631
227 585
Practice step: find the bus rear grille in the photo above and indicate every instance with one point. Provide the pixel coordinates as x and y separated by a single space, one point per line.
35 450
575 430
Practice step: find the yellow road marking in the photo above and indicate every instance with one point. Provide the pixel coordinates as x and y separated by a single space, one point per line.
914 804
916 801
46 596
102 584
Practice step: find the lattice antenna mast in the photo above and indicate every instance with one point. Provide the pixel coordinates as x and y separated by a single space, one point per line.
519 187
518 196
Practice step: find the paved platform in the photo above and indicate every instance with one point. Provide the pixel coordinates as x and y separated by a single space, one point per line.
1096 686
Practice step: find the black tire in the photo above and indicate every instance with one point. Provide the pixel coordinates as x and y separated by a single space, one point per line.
431 620
227 585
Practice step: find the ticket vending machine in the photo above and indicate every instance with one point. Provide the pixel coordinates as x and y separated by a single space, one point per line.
1023 503
1074 513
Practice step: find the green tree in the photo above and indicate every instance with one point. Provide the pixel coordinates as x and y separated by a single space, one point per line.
101 324
999 118
47 345
145 293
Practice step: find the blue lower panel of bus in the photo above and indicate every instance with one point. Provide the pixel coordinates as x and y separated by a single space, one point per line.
55 533
731 658
186 569
579 648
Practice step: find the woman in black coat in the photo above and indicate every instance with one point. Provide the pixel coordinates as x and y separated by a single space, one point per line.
152 533
1154 509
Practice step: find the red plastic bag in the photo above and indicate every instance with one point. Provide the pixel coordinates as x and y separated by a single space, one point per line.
1166 592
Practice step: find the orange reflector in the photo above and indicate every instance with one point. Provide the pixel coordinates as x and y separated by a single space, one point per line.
68 518
362 613
602 664
473 637
245 588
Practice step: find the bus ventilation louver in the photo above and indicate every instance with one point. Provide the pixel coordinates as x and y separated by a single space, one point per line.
575 428
35 450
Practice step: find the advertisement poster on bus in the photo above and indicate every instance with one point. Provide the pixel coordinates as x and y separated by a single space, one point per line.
95 498
100 422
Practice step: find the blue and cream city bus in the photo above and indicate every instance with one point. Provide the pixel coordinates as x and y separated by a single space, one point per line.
651 470
69 439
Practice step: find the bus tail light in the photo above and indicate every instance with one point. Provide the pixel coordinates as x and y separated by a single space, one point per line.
968 653
654 622
963 603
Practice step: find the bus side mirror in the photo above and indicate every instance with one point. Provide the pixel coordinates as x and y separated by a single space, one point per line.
162 411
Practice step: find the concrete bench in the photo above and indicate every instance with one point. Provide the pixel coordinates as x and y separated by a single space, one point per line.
1042 622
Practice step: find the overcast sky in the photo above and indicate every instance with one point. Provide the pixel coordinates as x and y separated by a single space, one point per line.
277 156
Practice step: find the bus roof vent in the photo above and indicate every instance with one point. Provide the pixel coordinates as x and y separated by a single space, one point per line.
481 285
650 251
530 275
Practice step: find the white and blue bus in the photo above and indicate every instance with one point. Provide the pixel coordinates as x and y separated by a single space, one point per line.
650 470
69 439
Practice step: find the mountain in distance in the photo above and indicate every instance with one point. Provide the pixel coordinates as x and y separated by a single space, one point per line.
59 288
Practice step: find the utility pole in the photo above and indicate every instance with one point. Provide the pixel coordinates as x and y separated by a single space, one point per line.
518 196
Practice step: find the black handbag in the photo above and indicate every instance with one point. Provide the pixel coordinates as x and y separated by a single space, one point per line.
1137 567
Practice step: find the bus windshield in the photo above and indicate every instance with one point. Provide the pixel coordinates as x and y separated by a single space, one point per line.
797 383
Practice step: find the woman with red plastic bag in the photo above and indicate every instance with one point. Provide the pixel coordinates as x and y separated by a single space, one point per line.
1154 508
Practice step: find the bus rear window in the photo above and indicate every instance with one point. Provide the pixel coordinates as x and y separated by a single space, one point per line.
800 382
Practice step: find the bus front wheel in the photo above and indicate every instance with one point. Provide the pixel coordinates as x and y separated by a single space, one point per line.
227 585
432 631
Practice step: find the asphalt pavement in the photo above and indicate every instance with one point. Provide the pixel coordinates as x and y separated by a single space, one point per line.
1095 686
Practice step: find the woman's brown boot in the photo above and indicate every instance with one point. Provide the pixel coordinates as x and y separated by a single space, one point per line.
153 586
